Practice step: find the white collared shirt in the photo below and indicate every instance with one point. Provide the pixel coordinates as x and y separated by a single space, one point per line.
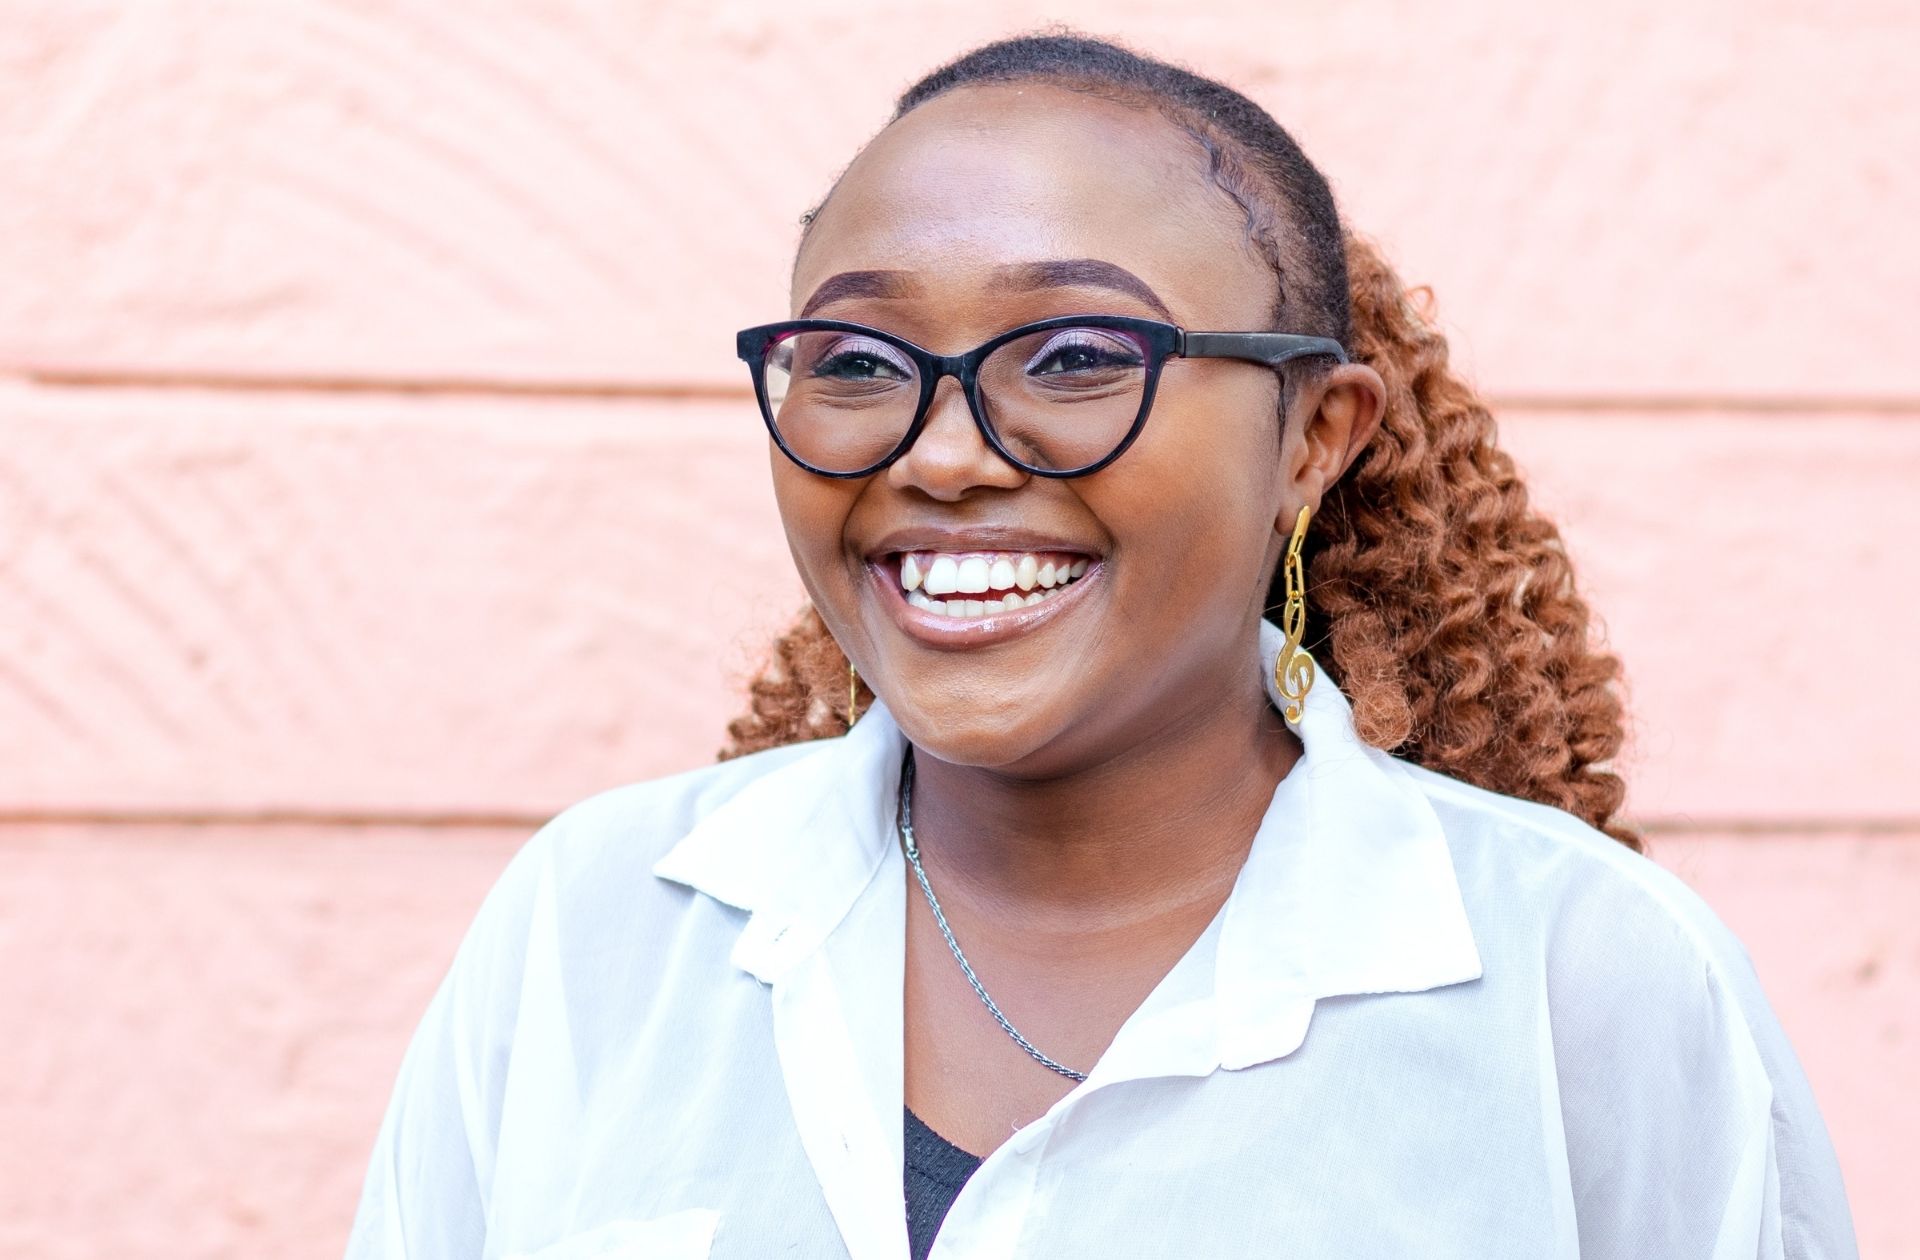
1429 1021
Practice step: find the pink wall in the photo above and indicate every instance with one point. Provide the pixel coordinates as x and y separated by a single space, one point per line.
362 364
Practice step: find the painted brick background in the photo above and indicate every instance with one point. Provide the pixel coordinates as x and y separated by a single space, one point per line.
362 366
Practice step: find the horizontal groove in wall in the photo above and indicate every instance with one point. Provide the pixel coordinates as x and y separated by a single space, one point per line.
514 821
709 391
1686 825
1748 404
690 391
345 820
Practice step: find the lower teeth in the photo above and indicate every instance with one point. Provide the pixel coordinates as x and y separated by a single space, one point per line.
1012 602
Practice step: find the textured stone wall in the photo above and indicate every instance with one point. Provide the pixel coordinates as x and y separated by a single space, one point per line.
375 479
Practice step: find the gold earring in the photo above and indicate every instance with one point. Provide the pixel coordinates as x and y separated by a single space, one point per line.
853 692
1293 670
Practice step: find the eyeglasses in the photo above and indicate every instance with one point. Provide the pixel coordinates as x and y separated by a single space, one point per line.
1059 397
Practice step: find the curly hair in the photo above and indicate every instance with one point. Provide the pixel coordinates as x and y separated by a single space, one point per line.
1446 604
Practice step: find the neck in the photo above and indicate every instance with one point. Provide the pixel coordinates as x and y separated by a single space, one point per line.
1160 826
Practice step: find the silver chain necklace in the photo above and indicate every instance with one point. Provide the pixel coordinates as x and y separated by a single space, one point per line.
912 847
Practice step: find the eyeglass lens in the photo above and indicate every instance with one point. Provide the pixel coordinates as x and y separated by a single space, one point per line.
1057 399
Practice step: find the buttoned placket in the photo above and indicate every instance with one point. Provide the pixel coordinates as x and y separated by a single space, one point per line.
832 955
1173 1033
847 1090
837 1083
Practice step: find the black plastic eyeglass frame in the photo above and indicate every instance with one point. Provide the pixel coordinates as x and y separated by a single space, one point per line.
1161 341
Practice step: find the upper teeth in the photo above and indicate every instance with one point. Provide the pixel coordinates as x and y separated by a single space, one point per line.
924 575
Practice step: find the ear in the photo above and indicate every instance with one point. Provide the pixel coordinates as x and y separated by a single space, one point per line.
1339 413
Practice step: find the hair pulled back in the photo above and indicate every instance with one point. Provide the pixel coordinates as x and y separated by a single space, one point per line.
1445 604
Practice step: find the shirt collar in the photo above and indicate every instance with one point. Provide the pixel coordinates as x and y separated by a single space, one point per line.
1348 888
797 846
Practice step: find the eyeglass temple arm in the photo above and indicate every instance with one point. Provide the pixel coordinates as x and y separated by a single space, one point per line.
1269 348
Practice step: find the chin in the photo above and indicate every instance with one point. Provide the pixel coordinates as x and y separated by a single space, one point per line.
986 740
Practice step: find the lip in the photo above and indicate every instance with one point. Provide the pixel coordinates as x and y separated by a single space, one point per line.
975 538
962 633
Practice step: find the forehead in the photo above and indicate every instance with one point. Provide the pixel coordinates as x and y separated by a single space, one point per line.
989 177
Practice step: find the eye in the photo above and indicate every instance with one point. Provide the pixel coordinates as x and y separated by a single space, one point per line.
1084 350
854 359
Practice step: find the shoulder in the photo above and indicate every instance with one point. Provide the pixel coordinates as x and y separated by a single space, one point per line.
1628 964
634 825
579 893
1655 1019
1537 871
595 858
1663 1050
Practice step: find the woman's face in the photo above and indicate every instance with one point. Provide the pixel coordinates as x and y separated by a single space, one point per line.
969 206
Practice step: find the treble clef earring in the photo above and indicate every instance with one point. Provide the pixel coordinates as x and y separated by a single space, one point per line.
1293 669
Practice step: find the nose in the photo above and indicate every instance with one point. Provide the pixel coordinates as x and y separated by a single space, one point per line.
951 459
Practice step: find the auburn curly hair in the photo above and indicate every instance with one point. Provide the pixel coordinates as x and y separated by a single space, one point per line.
1445 603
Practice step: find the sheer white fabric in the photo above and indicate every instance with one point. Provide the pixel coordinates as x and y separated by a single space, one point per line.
1429 1021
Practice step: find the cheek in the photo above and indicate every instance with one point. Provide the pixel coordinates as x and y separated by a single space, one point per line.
814 510
1201 496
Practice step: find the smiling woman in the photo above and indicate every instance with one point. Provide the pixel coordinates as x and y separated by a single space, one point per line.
1125 921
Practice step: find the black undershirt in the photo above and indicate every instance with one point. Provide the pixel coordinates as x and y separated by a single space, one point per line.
936 1170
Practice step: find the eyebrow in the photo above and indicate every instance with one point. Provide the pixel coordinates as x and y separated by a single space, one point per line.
858 284
1057 273
1081 272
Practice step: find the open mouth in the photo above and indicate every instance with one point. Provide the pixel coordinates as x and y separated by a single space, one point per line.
983 583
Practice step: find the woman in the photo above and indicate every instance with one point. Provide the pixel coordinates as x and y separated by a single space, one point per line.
1114 927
